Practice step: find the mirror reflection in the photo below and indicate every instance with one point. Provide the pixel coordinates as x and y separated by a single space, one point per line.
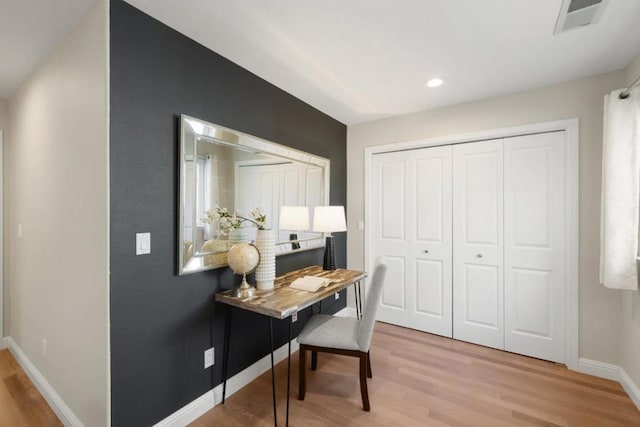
231 183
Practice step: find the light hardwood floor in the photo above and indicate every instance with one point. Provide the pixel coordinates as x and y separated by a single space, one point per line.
425 380
20 402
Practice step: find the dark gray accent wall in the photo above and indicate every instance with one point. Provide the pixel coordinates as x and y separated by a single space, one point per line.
161 323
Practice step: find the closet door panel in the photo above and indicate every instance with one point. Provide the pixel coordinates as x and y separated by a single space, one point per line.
478 277
530 303
411 227
313 181
431 191
293 186
258 186
390 223
431 243
393 224
293 191
268 197
430 295
534 245
393 295
481 296
482 189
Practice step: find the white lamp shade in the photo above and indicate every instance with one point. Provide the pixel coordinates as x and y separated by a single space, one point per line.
327 219
294 218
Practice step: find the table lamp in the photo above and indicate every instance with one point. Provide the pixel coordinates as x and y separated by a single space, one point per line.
294 218
329 219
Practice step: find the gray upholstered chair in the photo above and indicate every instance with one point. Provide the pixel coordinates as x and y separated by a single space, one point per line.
343 335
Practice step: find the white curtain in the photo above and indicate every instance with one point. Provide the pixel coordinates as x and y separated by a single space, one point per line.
620 191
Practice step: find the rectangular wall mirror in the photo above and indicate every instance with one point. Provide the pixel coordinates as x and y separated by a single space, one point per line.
221 167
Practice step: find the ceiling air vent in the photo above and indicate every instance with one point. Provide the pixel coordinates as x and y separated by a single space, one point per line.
578 13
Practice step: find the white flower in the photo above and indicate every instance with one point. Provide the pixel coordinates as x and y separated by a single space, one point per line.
228 221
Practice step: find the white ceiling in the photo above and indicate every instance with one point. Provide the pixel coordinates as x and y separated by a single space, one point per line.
360 60
29 29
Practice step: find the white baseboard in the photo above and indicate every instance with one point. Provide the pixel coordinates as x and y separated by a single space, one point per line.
598 369
210 399
347 312
630 387
3 343
64 413
611 372
189 413
192 411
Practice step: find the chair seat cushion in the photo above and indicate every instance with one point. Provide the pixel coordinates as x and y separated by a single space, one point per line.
323 330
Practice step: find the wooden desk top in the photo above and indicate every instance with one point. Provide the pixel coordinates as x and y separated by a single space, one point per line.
282 301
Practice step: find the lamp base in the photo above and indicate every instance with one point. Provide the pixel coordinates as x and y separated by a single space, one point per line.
245 290
329 255
294 245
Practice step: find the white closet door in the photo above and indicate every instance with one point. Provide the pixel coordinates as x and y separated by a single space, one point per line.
292 183
412 229
390 223
314 196
478 280
258 186
534 245
293 188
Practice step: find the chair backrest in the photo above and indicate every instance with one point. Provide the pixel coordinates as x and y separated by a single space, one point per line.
374 294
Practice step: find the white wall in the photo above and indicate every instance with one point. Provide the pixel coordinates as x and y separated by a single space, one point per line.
59 193
4 114
599 307
4 126
630 313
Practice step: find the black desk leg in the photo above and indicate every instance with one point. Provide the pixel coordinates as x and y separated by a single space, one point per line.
225 354
289 371
273 377
355 293
360 298
358 295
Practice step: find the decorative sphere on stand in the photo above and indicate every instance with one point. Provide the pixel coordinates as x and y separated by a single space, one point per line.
243 258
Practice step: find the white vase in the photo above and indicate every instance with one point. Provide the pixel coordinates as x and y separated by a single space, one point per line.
266 271
240 235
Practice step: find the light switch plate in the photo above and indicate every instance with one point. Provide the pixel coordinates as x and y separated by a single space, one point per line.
143 243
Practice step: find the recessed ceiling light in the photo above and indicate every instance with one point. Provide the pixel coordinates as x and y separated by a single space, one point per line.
435 82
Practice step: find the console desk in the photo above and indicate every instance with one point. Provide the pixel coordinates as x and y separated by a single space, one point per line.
284 302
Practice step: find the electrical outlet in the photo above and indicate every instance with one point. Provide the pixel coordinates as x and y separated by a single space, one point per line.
44 348
294 317
209 357
337 294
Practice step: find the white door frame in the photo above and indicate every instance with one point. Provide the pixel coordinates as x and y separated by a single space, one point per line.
570 127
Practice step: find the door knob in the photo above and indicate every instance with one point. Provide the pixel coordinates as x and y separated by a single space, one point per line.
426 251
478 255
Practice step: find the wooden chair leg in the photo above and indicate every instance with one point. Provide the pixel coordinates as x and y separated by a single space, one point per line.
363 382
369 373
302 385
314 360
